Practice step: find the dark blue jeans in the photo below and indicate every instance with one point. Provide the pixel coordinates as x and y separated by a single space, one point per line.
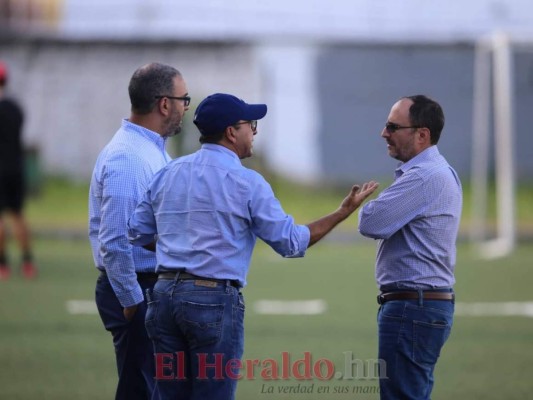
133 349
411 335
197 328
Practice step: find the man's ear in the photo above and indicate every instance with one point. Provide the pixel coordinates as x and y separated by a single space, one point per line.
425 135
230 134
163 106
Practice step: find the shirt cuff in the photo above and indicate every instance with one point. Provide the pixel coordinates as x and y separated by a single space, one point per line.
303 243
131 298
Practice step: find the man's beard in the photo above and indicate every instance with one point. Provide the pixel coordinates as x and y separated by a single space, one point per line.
175 131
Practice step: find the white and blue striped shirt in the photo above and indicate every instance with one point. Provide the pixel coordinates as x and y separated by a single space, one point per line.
121 176
416 220
207 210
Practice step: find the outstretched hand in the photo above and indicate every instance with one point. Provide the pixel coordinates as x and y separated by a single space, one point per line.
357 195
321 227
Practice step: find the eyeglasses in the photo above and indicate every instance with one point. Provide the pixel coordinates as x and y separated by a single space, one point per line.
186 99
253 124
391 128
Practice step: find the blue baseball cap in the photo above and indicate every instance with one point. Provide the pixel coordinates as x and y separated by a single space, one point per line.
218 111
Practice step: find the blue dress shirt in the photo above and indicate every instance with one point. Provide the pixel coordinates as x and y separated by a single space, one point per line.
416 220
207 210
121 176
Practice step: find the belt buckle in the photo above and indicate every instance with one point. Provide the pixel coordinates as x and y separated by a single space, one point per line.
380 299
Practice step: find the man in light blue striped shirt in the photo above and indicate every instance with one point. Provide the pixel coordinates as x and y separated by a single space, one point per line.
207 210
121 175
415 221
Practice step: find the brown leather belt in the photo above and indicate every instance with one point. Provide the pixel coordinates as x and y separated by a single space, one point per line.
413 295
185 276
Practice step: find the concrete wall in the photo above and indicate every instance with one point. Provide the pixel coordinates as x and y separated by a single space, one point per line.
75 94
327 103
358 84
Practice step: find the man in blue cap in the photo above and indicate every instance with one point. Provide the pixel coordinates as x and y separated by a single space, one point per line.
206 211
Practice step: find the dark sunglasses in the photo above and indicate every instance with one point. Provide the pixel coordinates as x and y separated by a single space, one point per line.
253 124
186 99
391 128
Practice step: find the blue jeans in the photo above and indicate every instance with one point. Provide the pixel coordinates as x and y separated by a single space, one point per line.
133 349
197 329
411 335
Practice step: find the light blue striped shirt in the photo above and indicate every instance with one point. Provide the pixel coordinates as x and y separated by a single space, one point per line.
416 220
121 176
207 210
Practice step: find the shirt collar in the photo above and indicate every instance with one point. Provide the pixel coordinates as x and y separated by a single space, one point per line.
428 154
146 133
221 149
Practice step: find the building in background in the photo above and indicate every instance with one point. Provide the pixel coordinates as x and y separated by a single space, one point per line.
328 71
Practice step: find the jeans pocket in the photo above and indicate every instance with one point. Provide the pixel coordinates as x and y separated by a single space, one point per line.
428 339
240 299
202 323
150 320
392 309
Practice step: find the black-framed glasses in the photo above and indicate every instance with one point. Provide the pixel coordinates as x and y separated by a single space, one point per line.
186 99
253 124
391 127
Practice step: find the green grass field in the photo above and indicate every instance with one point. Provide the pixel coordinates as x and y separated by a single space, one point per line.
48 353
62 205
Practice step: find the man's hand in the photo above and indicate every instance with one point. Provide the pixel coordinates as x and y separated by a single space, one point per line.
357 195
129 312
321 227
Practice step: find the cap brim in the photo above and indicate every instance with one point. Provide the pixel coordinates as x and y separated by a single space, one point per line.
255 111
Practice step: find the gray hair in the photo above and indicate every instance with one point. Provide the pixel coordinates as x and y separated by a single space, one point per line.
148 82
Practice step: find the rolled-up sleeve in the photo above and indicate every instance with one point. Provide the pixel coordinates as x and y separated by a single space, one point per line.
273 225
394 208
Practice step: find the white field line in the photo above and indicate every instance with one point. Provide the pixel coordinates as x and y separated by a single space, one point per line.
274 307
507 309
81 307
318 306
295 307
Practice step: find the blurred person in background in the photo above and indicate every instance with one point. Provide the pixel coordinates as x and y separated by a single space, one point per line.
123 170
207 211
416 221
12 181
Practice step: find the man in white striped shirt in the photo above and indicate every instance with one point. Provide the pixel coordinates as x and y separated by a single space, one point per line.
123 170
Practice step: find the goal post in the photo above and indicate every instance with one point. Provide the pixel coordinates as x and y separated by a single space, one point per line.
493 63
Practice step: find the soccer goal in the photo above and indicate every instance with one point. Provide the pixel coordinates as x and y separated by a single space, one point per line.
493 69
